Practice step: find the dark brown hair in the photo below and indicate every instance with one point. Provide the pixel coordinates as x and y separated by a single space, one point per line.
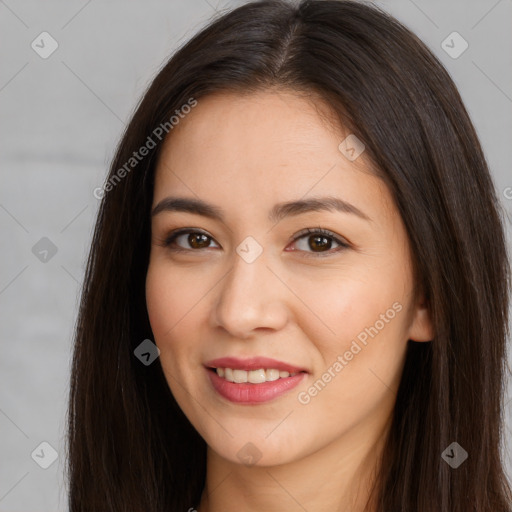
130 446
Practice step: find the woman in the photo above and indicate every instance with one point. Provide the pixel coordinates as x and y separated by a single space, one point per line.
297 291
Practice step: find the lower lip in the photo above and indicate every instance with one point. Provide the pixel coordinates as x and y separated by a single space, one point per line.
247 393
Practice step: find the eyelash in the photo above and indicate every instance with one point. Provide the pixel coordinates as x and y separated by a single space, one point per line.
308 231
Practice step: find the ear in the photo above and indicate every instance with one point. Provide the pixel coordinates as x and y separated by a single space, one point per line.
421 328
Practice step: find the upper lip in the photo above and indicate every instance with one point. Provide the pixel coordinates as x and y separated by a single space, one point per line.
253 363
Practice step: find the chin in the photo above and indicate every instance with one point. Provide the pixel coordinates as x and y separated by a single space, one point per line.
252 449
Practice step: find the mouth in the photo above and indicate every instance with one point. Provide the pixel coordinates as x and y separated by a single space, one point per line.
253 381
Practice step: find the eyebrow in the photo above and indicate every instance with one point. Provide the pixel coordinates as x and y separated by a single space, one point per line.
277 213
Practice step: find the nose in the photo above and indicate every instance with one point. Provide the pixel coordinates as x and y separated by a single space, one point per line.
250 298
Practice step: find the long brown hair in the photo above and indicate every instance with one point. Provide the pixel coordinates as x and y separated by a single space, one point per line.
130 446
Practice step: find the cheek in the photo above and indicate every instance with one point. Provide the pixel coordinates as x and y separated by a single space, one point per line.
361 365
173 307
348 302
170 297
366 309
170 306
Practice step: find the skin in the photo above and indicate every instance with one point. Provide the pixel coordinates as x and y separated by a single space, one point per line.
297 302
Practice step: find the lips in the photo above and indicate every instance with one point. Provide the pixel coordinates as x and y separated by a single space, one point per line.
242 392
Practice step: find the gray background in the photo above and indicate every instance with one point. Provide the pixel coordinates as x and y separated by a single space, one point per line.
61 119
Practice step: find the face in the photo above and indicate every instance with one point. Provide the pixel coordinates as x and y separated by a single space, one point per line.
308 307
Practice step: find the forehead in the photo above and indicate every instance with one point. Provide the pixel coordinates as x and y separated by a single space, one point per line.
260 148
269 126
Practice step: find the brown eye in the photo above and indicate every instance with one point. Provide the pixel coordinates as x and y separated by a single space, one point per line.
190 240
198 240
318 241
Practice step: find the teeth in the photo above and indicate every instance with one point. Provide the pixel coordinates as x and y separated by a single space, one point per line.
256 376
272 374
253 376
239 376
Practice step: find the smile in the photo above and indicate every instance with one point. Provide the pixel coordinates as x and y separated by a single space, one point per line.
245 392
254 380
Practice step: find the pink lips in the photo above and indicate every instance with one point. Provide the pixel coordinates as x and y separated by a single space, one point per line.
248 393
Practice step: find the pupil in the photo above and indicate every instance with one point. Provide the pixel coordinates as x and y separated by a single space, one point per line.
322 238
194 237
